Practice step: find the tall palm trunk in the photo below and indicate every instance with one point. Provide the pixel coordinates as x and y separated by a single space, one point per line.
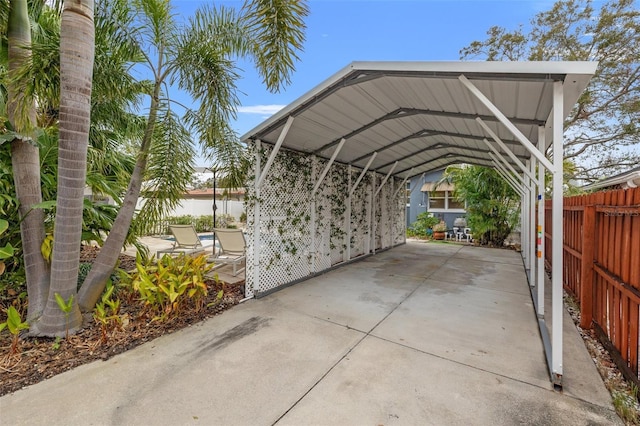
76 71
25 160
104 264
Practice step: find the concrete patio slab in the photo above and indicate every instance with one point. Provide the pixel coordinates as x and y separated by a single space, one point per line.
381 383
354 298
486 329
450 350
247 366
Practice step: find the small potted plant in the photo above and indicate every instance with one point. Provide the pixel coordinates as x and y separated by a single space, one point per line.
439 230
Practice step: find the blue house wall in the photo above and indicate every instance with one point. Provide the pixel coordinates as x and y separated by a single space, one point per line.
419 201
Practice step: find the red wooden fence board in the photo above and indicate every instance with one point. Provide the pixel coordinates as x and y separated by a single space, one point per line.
601 244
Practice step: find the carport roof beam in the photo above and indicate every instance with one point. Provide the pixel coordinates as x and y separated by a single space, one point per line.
355 185
461 158
327 167
437 145
506 122
408 112
276 148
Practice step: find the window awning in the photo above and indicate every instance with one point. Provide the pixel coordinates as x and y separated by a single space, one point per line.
433 186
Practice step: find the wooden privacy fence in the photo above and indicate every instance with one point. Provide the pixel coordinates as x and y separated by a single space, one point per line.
601 240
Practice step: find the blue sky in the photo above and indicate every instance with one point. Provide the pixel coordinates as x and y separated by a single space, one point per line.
343 31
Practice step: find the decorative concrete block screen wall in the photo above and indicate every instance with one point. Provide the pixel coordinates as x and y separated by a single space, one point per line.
293 235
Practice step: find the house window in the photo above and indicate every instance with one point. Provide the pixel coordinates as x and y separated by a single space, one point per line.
407 192
438 200
455 204
444 200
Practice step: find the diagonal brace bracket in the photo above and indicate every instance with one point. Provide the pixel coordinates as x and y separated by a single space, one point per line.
507 123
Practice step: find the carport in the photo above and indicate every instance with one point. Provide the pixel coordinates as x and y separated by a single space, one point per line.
330 169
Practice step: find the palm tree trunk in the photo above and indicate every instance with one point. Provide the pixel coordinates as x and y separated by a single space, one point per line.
76 71
25 161
104 264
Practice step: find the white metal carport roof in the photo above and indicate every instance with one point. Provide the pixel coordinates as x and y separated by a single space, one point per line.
406 118
421 114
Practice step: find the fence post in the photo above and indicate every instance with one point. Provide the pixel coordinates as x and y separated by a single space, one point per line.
586 274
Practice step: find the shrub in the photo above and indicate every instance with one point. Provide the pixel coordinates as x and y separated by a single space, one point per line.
493 207
164 285
83 271
224 221
423 225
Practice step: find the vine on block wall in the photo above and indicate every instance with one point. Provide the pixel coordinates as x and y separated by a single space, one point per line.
292 245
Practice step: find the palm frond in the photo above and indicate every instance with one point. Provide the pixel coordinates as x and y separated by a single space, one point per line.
169 170
278 31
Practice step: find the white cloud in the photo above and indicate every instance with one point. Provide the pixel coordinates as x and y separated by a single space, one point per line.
260 109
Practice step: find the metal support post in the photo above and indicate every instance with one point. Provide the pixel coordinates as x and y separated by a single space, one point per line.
355 185
517 186
327 167
373 224
252 288
524 230
312 223
540 230
386 178
557 252
532 224
347 217
276 148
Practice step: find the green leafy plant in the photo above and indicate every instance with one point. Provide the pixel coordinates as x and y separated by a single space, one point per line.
107 313
7 251
218 299
165 284
493 207
56 343
15 324
423 225
65 306
625 405
83 271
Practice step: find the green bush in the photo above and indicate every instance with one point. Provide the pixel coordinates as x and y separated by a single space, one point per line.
493 207
83 271
423 225
225 221
164 285
201 223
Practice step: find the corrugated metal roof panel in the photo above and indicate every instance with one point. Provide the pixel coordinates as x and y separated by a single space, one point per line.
420 114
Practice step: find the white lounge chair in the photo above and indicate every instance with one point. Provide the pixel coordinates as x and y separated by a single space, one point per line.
232 249
186 241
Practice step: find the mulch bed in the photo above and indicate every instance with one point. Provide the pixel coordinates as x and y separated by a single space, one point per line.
41 358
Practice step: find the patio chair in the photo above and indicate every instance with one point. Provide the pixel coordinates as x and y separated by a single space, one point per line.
468 235
186 241
232 249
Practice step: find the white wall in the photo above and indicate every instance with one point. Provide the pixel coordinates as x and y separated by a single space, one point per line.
204 207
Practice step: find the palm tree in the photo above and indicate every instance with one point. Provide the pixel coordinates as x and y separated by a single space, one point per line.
76 72
21 113
200 59
114 92
492 205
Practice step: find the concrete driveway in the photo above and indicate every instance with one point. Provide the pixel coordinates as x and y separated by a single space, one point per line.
423 334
